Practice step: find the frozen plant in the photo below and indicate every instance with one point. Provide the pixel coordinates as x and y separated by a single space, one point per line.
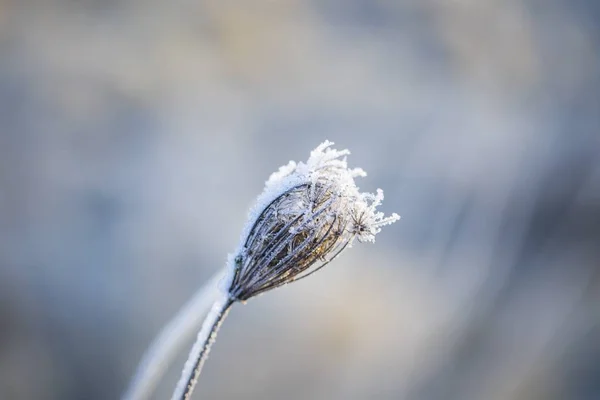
306 216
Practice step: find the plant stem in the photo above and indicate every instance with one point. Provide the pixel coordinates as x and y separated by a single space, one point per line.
201 348
171 339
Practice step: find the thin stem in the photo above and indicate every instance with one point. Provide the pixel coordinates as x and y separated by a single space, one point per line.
199 353
171 339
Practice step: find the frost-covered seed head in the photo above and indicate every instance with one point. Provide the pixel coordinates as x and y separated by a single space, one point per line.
306 216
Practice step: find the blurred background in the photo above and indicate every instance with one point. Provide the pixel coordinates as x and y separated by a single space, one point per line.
134 135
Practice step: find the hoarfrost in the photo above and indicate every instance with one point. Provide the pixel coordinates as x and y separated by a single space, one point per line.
325 167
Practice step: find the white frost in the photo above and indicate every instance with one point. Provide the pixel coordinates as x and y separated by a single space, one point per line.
325 165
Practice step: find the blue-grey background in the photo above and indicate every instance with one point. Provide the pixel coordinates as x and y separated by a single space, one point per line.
134 135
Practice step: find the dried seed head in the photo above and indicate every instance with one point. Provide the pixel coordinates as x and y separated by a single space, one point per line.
306 216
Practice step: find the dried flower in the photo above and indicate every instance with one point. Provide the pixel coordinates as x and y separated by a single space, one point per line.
316 212
306 216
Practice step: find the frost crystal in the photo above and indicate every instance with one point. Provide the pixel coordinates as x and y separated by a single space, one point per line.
306 216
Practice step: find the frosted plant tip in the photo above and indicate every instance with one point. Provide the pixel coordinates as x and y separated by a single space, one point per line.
306 216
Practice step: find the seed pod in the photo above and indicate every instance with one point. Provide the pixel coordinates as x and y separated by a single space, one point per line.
315 212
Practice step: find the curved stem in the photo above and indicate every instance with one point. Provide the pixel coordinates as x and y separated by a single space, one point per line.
171 339
199 353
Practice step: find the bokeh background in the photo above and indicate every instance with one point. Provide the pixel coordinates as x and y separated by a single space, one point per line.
135 134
